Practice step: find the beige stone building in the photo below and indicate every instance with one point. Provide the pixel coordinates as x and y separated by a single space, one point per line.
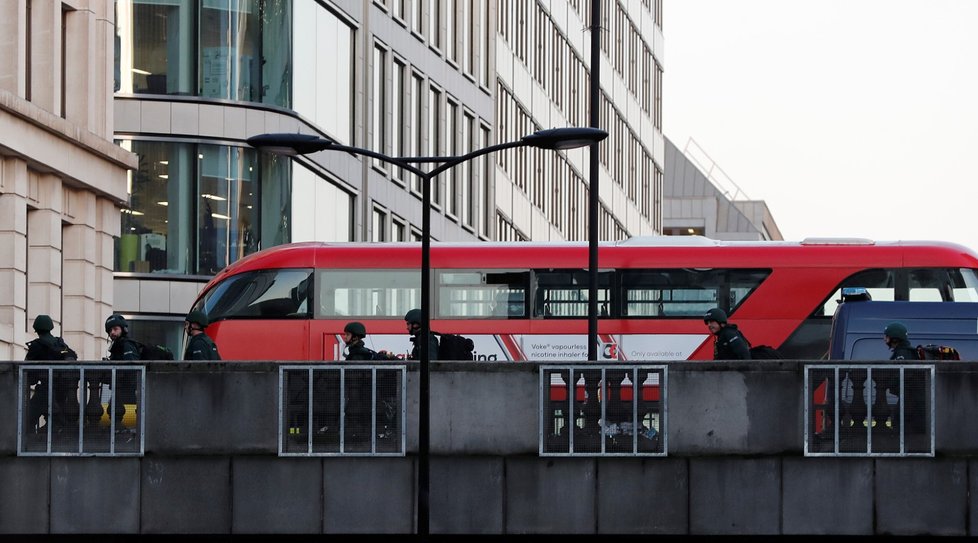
62 180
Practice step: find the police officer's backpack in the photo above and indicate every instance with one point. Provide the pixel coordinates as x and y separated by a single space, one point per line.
765 352
454 347
39 350
937 352
154 352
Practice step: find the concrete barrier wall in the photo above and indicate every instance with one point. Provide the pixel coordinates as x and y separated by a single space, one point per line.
735 464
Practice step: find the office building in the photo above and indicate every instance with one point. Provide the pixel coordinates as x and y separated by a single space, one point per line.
195 78
62 180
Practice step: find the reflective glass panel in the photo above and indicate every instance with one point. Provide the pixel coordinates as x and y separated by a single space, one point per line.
155 236
155 46
229 50
363 293
226 214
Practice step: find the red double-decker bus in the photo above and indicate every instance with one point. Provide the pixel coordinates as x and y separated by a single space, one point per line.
527 301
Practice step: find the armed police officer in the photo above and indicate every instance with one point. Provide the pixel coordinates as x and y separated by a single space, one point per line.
353 336
199 345
48 347
412 319
121 348
729 343
895 337
888 381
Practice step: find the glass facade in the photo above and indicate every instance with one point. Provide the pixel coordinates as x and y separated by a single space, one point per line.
324 51
228 49
167 332
195 208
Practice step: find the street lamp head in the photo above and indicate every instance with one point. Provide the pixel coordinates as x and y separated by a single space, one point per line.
289 144
559 139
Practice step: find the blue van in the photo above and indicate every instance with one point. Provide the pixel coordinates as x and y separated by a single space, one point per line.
857 327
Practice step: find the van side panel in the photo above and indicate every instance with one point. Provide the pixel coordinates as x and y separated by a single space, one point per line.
857 327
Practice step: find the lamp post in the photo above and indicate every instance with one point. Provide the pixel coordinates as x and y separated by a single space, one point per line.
301 144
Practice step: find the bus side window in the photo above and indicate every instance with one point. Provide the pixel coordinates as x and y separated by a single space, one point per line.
482 294
564 293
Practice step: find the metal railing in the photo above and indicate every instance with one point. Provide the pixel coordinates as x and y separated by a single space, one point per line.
589 410
342 410
81 410
869 410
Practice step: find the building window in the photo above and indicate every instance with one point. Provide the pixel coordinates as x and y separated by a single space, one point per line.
379 99
469 193
488 201
417 124
417 18
397 115
157 47
398 229
158 331
28 56
452 30
229 51
313 192
485 43
378 225
194 209
245 53
453 149
435 9
434 136
324 48
468 36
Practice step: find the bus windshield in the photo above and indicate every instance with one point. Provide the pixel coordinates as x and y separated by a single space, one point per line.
275 293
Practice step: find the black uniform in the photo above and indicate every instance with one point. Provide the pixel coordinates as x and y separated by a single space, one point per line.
122 349
201 347
888 384
730 344
432 348
358 351
49 347
903 350
358 392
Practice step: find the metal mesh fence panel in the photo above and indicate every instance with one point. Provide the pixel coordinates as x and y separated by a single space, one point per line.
603 410
869 410
85 410
348 410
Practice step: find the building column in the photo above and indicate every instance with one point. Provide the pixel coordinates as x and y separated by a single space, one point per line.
13 46
45 58
43 233
82 326
13 262
107 227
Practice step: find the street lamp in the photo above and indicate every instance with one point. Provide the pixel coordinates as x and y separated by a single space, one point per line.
301 144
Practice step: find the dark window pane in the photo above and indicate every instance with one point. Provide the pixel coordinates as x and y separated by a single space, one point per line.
155 237
564 293
282 293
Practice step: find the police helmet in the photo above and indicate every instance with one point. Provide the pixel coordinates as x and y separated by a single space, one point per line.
43 323
715 314
197 317
895 330
116 320
413 316
356 328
